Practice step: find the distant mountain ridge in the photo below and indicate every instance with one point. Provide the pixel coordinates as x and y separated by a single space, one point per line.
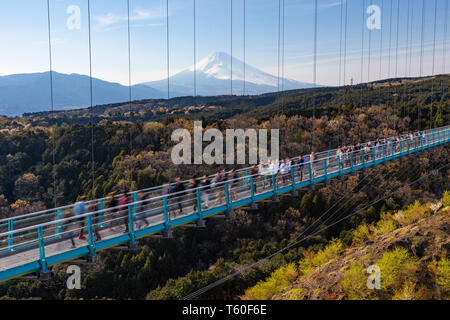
213 75
21 93
30 93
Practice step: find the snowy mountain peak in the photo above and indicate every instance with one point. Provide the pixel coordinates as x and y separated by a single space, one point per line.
218 65
213 74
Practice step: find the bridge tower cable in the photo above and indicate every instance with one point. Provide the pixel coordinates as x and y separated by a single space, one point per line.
432 67
52 130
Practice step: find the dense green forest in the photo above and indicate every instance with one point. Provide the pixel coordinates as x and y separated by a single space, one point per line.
134 154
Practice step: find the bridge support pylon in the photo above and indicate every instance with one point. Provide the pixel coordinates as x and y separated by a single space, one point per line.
93 259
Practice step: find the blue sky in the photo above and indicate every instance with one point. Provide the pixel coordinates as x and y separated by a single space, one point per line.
24 43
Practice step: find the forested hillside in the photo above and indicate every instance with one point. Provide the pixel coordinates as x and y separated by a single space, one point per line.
171 269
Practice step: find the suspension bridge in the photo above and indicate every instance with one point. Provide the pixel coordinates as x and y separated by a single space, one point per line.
36 241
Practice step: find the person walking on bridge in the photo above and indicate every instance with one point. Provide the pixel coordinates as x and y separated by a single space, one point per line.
178 187
80 208
123 209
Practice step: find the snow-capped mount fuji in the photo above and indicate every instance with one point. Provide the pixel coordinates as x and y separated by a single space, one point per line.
213 75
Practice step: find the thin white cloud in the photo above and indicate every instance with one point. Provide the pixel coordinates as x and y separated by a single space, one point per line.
110 19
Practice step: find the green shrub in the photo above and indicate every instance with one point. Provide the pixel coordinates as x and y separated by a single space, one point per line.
354 283
446 199
386 224
294 294
443 274
333 250
361 234
392 265
280 279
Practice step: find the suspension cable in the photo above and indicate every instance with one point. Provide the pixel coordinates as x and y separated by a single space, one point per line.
231 52
420 105
129 72
167 53
282 60
91 98
432 68
406 60
314 75
340 75
389 54
243 92
52 131
362 51
368 65
381 53
195 53
395 99
444 52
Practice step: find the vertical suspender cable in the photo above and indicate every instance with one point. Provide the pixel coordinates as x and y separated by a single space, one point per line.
362 50
420 105
52 131
167 52
282 61
345 53
432 68
91 99
231 55
411 47
368 64
389 54
243 91
314 75
195 52
396 55
444 52
279 48
340 75
129 70
406 60
381 53
396 41
231 49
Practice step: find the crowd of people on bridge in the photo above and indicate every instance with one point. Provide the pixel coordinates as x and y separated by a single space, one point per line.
197 191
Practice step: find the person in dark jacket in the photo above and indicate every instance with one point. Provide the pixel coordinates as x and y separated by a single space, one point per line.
178 187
